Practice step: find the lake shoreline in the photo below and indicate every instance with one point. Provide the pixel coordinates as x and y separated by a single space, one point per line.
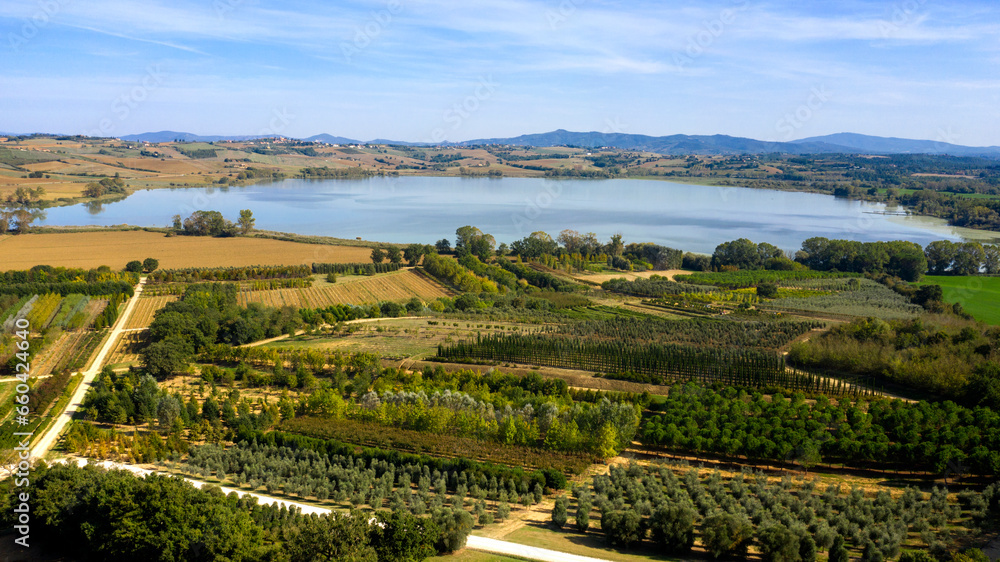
426 208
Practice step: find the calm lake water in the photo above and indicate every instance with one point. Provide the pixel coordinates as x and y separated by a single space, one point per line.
426 209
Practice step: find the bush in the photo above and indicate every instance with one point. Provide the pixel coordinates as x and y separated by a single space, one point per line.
134 266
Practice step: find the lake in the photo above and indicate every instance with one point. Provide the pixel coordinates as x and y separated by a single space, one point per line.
425 209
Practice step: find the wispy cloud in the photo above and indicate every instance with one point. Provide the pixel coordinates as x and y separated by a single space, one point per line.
563 63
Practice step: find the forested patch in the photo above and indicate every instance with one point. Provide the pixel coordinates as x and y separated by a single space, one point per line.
936 356
94 514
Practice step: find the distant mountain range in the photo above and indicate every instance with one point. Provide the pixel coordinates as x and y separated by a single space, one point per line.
724 144
170 136
669 145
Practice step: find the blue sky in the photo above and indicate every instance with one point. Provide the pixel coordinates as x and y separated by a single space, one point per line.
445 70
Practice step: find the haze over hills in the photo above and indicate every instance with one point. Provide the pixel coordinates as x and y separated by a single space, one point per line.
669 144
872 144
170 136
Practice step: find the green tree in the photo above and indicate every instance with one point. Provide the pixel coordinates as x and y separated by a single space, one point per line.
672 527
464 235
607 442
412 254
940 256
93 189
134 266
726 534
150 265
838 552
398 535
559 512
615 246
969 258
334 537
165 357
246 221
455 526
583 515
394 254
378 256
622 528
767 291
208 223
168 409
778 544
742 254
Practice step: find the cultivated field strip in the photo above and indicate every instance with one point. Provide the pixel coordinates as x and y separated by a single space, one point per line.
127 348
399 286
142 316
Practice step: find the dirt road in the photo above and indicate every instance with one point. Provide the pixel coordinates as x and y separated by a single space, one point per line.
45 444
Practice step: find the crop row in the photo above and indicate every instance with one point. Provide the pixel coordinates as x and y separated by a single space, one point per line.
195 274
395 287
752 278
446 446
699 332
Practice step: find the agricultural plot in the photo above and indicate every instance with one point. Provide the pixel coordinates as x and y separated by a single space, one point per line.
50 310
978 295
116 248
127 348
654 352
399 286
145 309
728 515
866 298
399 337
752 278
46 360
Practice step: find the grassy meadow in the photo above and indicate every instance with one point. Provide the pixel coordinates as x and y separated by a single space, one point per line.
978 295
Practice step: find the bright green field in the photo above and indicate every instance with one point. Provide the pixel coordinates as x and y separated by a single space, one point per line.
979 296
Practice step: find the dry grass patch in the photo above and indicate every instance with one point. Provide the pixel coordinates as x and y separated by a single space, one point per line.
630 275
116 248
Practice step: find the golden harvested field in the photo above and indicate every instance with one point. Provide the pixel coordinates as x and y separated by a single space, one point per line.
116 248
142 316
399 286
